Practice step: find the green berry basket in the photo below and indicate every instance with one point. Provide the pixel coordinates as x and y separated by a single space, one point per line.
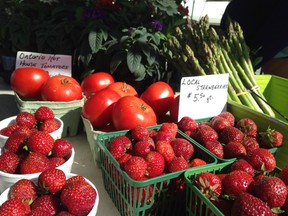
68 112
162 195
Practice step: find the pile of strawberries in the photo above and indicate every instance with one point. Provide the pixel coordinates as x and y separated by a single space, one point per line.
243 188
227 138
30 148
145 153
52 194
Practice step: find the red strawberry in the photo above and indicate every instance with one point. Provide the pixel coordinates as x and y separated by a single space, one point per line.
13 207
187 123
139 132
237 182
271 138
119 146
9 162
25 119
76 178
271 190
52 180
230 134
41 142
124 158
262 160
43 113
197 162
209 184
56 161
15 142
234 149
177 164
135 167
164 147
25 130
247 126
61 148
144 195
250 143
247 204
8 130
162 135
215 147
283 174
229 116
64 213
35 162
25 190
49 125
169 127
243 165
155 164
182 148
143 147
47 204
204 133
223 205
79 198
218 123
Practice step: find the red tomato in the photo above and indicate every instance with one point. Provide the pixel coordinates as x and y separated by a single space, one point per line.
174 109
96 82
61 88
98 108
159 96
27 81
130 111
123 89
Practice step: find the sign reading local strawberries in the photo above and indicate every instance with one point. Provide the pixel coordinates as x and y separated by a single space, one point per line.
54 64
203 96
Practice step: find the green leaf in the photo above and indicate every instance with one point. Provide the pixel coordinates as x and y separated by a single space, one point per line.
116 60
140 73
95 41
133 60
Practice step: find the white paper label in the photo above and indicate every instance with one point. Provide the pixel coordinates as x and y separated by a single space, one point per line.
54 64
203 96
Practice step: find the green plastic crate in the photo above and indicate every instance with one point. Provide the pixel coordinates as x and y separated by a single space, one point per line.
167 197
68 112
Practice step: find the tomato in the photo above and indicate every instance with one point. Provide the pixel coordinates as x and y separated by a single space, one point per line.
96 82
98 108
27 81
61 88
123 89
130 111
174 109
159 96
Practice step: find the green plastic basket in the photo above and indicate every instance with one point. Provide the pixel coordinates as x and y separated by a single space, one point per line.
167 197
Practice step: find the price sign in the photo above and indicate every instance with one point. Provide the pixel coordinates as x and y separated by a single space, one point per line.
203 96
54 64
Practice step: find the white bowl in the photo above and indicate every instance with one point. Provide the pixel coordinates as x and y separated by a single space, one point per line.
93 212
11 120
8 179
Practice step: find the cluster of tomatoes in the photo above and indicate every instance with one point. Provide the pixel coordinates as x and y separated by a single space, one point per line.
109 105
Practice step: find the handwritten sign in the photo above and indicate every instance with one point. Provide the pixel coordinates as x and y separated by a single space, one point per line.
54 64
203 96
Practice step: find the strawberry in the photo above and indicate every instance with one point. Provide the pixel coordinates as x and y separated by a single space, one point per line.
25 130
162 135
25 190
8 130
182 148
230 134
35 162
187 123
52 180
15 142
164 147
25 119
9 162
243 165
56 161
229 116
13 207
250 143
237 182
204 133
139 132
48 204
49 125
143 147
283 174
61 148
144 195
43 113
197 162
119 146
247 204
177 164
209 184
124 158
64 213
247 126
271 138
78 197
234 149
135 167
218 123
155 164
262 160
41 142
76 178
169 127
215 147
223 205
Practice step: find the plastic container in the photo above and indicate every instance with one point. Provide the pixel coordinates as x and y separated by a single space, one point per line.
162 195
11 120
7 179
68 112
93 212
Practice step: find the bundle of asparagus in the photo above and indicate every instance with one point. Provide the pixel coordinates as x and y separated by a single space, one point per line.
199 49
